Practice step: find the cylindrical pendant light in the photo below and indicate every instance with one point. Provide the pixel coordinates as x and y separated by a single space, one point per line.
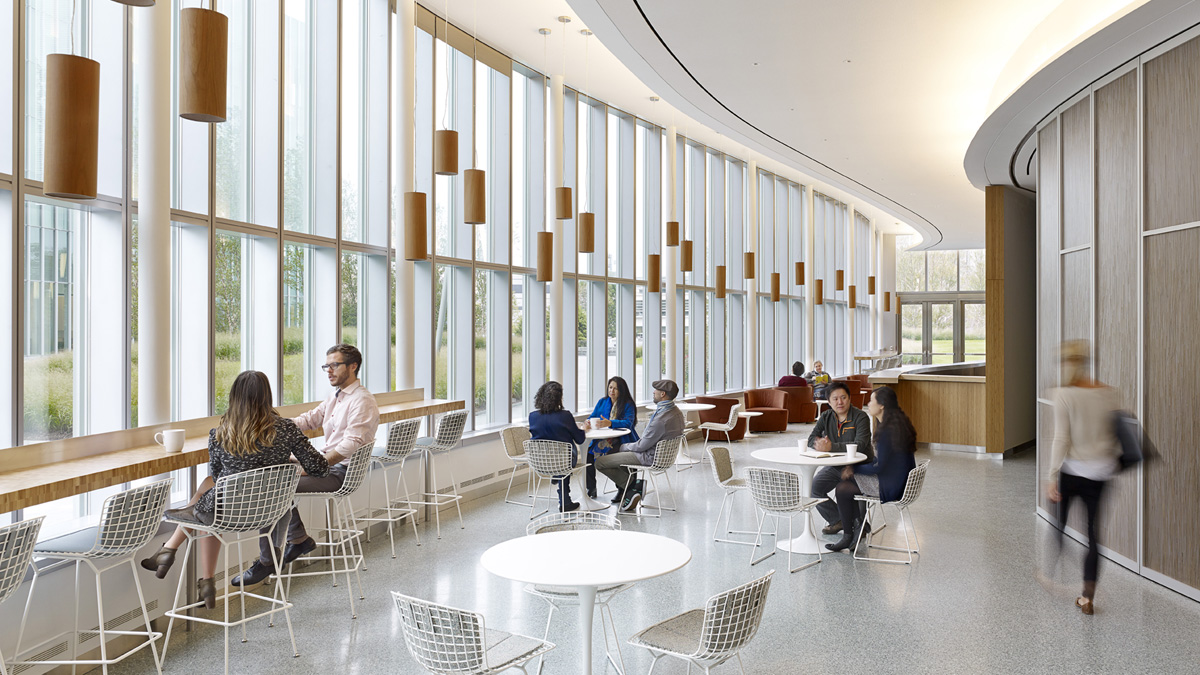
72 132
853 300
654 273
871 285
545 256
774 286
685 255
203 53
820 291
799 274
720 282
887 301
748 265
563 205
415 247
475 197
672 233
445 152
839 283
586 233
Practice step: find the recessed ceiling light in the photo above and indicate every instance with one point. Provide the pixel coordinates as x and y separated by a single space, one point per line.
847 61
756 63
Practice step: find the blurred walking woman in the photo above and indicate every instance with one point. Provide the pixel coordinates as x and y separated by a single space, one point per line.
895 443
1085 452
250 436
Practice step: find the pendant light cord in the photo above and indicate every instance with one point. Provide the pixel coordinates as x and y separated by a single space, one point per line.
74 6
474 95
446 110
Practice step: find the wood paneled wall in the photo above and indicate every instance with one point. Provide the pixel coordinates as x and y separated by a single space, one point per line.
1049 222
1172 126
1077 175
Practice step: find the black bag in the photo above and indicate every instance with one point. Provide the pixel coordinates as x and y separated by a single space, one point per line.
1129 436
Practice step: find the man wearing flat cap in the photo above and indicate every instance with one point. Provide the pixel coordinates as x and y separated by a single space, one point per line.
664 424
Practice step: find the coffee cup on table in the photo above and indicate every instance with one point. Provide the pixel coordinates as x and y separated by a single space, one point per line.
171 439
851 449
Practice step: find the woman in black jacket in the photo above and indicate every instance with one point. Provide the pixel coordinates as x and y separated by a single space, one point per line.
551 423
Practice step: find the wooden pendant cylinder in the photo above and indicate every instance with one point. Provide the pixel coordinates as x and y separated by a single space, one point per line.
203 55
748 265
799 274
819 292
871 285
672 233
720 281
564 206
71 150
774 286
839 283
853 301
586 233
654 273
445 152
545 256
415 225
475 197
887 301
685 255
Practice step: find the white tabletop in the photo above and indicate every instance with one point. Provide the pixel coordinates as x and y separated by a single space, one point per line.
791 455
750 413
585 557
605 433
685 407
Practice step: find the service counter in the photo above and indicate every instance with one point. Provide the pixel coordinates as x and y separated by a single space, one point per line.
946 402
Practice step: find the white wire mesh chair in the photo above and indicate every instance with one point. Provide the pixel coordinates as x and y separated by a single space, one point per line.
664 458
16 554
245 503
401 439
561 596
777 495
722 469
128 520
513 438
449 432
342 536
443 639
711 636
549 460
726 428
912 490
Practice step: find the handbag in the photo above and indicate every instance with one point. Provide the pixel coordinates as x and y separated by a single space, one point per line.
1128 431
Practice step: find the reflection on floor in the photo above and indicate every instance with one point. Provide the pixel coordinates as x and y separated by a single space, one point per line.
970 604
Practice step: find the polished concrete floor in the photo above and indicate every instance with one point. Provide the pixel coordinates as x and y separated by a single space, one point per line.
970 604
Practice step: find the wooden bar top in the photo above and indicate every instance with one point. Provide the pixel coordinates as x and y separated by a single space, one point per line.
79 465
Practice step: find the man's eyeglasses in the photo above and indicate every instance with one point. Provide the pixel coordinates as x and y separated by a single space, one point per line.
332 366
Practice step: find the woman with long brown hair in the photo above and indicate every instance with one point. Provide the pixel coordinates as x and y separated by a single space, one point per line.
251 435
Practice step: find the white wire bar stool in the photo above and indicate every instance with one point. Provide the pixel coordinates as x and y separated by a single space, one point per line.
449 433
443 639
128 520
726 428
665 454
722 469
402 438
16 554
777 495
342 538
912 490
558 597
245 503
714 634
513 438
549 460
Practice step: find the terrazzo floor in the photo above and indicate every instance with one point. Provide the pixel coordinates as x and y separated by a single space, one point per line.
969 604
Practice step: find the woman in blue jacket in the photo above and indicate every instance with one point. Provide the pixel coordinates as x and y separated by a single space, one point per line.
618 411
895 443
551 423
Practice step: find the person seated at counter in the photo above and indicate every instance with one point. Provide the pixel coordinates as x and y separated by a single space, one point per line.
615 411
796 379
250 436
665 422
841 424
887 476
819 379
349 418
551 423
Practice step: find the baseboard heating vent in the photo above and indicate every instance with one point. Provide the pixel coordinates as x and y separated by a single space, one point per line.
116 622
480 479
56 649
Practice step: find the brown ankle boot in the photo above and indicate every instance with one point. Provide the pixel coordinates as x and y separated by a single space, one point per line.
206 590
160 563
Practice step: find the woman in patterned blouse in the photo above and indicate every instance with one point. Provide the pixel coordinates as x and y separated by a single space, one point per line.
250 436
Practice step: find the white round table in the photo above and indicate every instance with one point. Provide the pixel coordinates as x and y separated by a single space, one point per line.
685 408
585 560
747 415
585 502
807 542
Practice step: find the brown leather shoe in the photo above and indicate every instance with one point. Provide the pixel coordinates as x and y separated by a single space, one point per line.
160 563
206 590
832 528
1085 605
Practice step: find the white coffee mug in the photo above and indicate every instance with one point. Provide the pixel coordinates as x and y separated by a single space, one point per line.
171 439
851 449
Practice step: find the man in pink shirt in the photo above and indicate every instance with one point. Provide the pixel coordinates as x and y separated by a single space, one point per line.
349 418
